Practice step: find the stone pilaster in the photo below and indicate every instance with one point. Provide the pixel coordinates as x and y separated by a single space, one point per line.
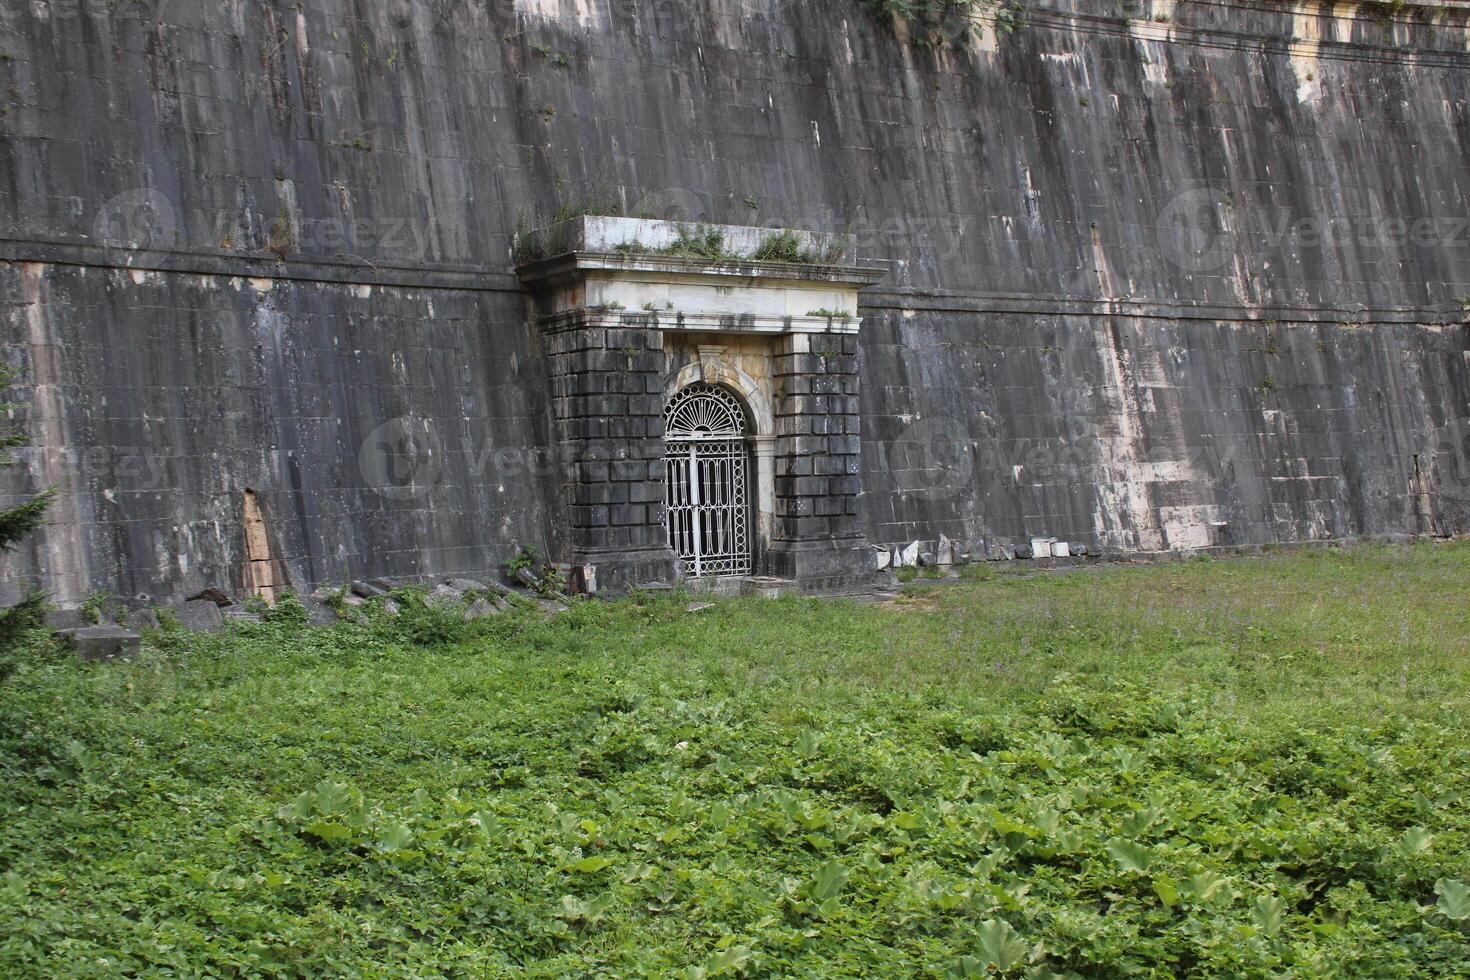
818 536
607 393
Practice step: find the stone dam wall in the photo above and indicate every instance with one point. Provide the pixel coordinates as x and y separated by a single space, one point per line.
1159 275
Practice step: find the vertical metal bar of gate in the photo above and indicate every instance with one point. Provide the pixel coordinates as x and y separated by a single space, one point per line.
695 509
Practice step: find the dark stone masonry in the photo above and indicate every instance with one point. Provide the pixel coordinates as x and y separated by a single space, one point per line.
1140 277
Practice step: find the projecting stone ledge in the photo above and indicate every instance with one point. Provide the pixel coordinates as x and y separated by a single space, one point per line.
694 277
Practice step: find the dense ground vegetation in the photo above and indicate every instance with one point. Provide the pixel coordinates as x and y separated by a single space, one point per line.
1249 767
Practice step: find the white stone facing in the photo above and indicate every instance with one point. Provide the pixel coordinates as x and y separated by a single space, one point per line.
611 267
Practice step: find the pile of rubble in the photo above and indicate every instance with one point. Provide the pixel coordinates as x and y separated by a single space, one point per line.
108 630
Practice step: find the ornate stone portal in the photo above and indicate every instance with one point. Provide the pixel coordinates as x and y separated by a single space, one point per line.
706 400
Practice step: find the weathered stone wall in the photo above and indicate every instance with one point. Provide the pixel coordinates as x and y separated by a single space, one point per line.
1147 286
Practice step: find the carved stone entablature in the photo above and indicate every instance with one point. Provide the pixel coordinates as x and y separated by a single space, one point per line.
639 313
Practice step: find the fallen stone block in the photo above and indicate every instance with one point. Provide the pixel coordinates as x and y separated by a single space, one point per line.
66 619
105 643
446 596
143 619
217 596
483 608
318 613
201 615
367 590
764 587
699 607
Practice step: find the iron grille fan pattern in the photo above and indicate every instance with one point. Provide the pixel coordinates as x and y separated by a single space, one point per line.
707 495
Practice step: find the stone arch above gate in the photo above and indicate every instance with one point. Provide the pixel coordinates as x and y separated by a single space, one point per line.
712 368
705 411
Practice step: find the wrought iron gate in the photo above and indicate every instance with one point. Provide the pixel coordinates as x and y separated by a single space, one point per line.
707 496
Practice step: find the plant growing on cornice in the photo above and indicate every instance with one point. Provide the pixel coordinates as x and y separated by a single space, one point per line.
784 246
700 242
938 23
594 198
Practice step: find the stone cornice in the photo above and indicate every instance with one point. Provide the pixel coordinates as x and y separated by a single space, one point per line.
699 322
569 266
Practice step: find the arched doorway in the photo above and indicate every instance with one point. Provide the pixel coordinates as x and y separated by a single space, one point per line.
707 493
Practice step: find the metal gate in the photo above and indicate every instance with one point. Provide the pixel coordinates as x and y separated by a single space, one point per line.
707 494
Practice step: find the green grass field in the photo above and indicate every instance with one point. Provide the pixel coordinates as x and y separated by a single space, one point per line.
1250 767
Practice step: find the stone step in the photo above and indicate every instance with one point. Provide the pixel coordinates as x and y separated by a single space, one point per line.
767 587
